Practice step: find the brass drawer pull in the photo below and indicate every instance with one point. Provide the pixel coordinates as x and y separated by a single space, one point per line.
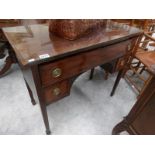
56 72
56 91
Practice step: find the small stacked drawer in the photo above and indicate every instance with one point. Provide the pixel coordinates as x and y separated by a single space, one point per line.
55 77
54 72
56 91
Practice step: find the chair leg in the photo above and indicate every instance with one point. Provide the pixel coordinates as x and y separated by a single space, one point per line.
91 74
119 76
136 67
106 75
142 70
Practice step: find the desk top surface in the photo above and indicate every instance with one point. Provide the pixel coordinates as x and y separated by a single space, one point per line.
34 44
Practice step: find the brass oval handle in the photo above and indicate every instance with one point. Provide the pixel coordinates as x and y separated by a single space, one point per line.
56 91
56 72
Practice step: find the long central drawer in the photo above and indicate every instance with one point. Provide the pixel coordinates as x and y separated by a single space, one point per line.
53 72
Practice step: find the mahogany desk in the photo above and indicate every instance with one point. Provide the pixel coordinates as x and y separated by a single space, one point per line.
10 57
51 64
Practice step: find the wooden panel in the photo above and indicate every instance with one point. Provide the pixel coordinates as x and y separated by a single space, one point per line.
76 64
56 91
145 122
141 118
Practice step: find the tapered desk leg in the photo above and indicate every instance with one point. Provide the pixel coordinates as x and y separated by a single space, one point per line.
120 74
45 118
31 94
91 74
42 104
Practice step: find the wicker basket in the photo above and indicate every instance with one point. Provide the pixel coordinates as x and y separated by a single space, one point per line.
72 29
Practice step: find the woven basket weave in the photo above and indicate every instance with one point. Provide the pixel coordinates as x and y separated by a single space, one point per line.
72 29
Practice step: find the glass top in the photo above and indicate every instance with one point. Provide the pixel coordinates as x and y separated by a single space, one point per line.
34 43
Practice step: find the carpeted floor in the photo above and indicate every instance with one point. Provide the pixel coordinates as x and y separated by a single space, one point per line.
88 110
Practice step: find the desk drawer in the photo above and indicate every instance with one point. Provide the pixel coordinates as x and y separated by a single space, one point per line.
53 72
60 70
56 91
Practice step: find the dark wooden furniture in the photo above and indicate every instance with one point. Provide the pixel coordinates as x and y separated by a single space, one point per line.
116 65
10 57
144 24
143 59
51 64
140 119
136 66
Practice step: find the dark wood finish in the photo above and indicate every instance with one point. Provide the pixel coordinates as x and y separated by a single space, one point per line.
7 65
146 61
11 58
56 47
120 127
144 24
56 91
115 66
136 67
81 62
127 60
143 123
51 64
38 89
119 76
2 52
91 74
127 65
8 60
140 119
